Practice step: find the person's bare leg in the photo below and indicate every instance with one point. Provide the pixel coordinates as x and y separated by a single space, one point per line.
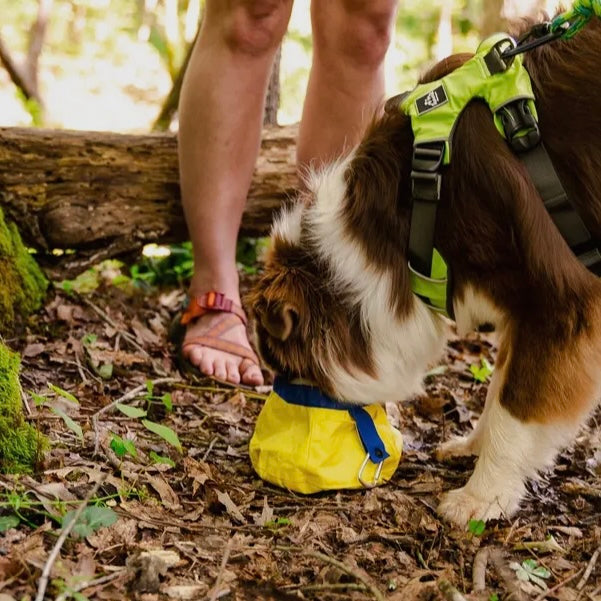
221 111
346 85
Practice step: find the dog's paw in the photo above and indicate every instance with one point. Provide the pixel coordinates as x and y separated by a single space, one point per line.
459 507
457 447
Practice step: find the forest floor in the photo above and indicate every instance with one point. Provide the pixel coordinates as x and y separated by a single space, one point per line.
199 524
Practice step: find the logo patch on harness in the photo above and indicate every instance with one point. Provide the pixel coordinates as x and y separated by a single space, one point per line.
433 99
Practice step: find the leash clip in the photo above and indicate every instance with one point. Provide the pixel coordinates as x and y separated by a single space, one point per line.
377 475
540 34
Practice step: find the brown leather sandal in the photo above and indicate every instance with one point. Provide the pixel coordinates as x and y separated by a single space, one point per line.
212 337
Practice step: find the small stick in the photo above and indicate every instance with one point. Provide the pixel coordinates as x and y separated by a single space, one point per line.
341 566
90 583
546 593
126 397
589 569
209 449
43 584
479 570
224 560
339 586
449 591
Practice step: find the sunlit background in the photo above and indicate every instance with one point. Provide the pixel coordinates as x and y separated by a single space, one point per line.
109 64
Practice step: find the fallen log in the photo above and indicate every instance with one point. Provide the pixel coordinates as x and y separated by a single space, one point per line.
108 194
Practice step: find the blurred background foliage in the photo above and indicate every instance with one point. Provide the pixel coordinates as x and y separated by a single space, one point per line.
110 64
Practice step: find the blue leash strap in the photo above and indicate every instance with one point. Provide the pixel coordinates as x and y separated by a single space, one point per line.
310 396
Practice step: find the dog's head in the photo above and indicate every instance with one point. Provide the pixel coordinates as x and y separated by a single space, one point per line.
334 303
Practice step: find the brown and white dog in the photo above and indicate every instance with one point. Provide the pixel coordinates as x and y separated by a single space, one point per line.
335 306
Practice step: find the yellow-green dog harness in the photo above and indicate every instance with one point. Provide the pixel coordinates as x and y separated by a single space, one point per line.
496 75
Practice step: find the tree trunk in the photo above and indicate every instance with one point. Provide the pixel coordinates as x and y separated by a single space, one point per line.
493 18
272 100
109 194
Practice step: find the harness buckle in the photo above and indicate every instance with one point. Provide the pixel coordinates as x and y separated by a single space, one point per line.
425 166
520 127
499 59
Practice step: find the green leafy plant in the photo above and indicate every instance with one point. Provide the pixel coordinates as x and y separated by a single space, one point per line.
8 521
43 400
156 458
122 446
529 570
278 523
493 597
165 432
133 412
92 518
476 527
482 371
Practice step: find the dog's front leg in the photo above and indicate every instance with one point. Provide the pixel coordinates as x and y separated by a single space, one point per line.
510 451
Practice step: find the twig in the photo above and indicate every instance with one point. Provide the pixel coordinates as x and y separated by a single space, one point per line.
24 400
479 570
224 560
338 586
82 375
546 593
209 449
126 397
449 591
60 541
589 569
341 566
90 583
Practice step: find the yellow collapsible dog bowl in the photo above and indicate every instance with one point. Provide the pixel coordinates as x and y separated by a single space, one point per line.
307 442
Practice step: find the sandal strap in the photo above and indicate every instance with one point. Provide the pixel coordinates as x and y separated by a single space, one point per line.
220 344
211 301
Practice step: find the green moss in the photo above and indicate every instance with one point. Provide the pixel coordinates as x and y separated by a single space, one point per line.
20 444
22 283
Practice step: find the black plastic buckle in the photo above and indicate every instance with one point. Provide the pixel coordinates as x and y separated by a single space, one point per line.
520 126
425 171
498 60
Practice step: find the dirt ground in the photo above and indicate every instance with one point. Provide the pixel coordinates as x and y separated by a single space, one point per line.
208 528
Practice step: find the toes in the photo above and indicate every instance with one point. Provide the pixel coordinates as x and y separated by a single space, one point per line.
206 365
233 372
195 355
219 369
252 375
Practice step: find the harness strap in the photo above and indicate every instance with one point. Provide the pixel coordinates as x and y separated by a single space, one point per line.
565 217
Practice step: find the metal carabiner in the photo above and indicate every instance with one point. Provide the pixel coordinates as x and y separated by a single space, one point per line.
376 476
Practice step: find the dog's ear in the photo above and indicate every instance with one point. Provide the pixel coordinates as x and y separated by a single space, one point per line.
280 320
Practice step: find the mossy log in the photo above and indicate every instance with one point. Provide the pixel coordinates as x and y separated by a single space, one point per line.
105 194
22 283
21 445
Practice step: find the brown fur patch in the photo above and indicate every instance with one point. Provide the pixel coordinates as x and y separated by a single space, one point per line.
326 328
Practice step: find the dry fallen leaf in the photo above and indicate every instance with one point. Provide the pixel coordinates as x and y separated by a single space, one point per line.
150 566
230 506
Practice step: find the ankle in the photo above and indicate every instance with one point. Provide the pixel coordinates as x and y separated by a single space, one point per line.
226 283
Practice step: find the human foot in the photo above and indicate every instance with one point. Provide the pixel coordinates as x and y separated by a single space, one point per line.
216 341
